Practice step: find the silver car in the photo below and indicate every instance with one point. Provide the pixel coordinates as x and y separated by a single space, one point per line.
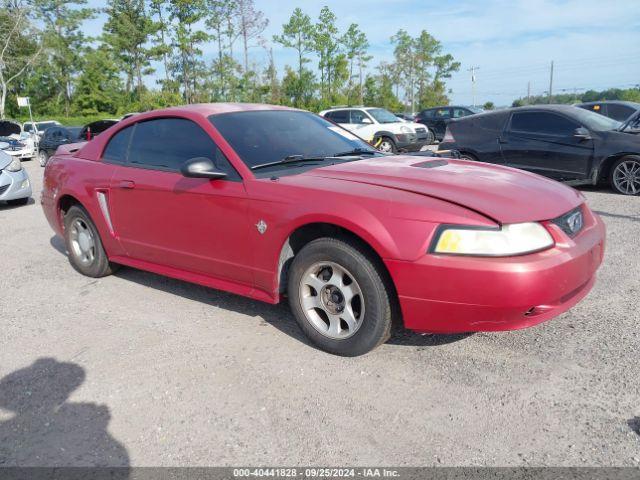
15 186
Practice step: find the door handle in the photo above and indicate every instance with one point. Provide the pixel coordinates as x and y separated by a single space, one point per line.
127 184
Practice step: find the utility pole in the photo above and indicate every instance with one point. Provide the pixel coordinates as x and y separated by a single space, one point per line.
551 83
473 83
529 93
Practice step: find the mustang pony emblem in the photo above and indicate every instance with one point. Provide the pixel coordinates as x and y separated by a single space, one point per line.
261 226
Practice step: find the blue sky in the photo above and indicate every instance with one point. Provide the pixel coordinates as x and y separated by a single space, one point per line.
594 44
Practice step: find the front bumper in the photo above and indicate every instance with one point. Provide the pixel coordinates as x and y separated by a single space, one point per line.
14 185
21 154
410 142
456 294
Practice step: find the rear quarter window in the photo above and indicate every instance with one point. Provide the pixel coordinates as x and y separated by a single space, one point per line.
118 146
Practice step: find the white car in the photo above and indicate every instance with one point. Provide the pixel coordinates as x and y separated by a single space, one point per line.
15 142
381 128
40 127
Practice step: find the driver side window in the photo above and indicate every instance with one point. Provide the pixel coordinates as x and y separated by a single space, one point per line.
167 143
358 117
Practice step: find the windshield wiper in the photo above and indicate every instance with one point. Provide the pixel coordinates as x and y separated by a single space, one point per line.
290 159
355 152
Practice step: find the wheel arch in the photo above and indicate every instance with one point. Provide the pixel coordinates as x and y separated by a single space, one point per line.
307 232
604 169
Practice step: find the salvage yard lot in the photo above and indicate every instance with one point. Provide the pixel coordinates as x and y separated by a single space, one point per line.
169 373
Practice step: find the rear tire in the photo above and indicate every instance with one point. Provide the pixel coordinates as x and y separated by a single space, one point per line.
43 158
625 175
339 298
86 253
468 156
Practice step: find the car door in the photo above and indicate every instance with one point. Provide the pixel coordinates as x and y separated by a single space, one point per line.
192 224
362 124
441 117
49 141
546 143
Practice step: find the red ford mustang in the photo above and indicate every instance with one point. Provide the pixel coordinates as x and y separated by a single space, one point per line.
268 202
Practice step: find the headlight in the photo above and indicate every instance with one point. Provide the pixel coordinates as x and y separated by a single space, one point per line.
14 166
405 129
514 239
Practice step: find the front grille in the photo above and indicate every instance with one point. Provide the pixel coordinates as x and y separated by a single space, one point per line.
4 188
571 222
421 130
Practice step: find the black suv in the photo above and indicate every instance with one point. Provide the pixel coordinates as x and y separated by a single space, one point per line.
437 118
562 142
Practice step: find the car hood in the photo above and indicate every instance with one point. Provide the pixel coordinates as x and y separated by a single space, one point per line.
505 195
8 128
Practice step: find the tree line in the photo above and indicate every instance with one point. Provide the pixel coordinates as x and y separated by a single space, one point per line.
150 54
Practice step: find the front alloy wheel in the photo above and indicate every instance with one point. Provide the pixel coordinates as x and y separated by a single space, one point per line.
340 296
387 145
625 177
332 300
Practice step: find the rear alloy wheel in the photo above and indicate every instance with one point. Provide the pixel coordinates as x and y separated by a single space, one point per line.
86 253
387 145
43 158
625 176
339 298
431 138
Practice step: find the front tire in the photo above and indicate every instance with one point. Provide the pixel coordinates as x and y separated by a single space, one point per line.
387 145
625 175
84 245
339 297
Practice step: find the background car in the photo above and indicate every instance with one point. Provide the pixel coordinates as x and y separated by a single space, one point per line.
391 133
15 142
54 137
617 109
562 142
40 127
94 129
266 201
437 118
15 186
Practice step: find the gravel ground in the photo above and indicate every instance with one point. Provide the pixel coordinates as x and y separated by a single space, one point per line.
137 369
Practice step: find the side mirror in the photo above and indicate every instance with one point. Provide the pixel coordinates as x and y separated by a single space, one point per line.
582 133
201 167
366 121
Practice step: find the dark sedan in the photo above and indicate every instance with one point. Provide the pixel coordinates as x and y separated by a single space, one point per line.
562 142
52 138
437 118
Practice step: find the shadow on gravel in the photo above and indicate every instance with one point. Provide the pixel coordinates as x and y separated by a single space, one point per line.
633 218
46 429
278 316
634 424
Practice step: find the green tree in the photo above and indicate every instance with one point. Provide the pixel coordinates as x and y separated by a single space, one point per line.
404 53
251 24
128 31
187 39
298 34
64 40
98 88
433 67
327 46
20 46
489 106
356 45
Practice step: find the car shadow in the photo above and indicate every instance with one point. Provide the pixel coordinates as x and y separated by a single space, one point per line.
4 206
278 316
45 429
634 424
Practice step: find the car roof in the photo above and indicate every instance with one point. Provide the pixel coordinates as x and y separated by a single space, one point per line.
612 102
207 109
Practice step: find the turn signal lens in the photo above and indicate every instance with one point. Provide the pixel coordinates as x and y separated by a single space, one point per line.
514 239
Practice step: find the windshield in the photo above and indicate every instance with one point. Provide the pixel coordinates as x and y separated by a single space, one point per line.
476 109
595 121
382 116
267 136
